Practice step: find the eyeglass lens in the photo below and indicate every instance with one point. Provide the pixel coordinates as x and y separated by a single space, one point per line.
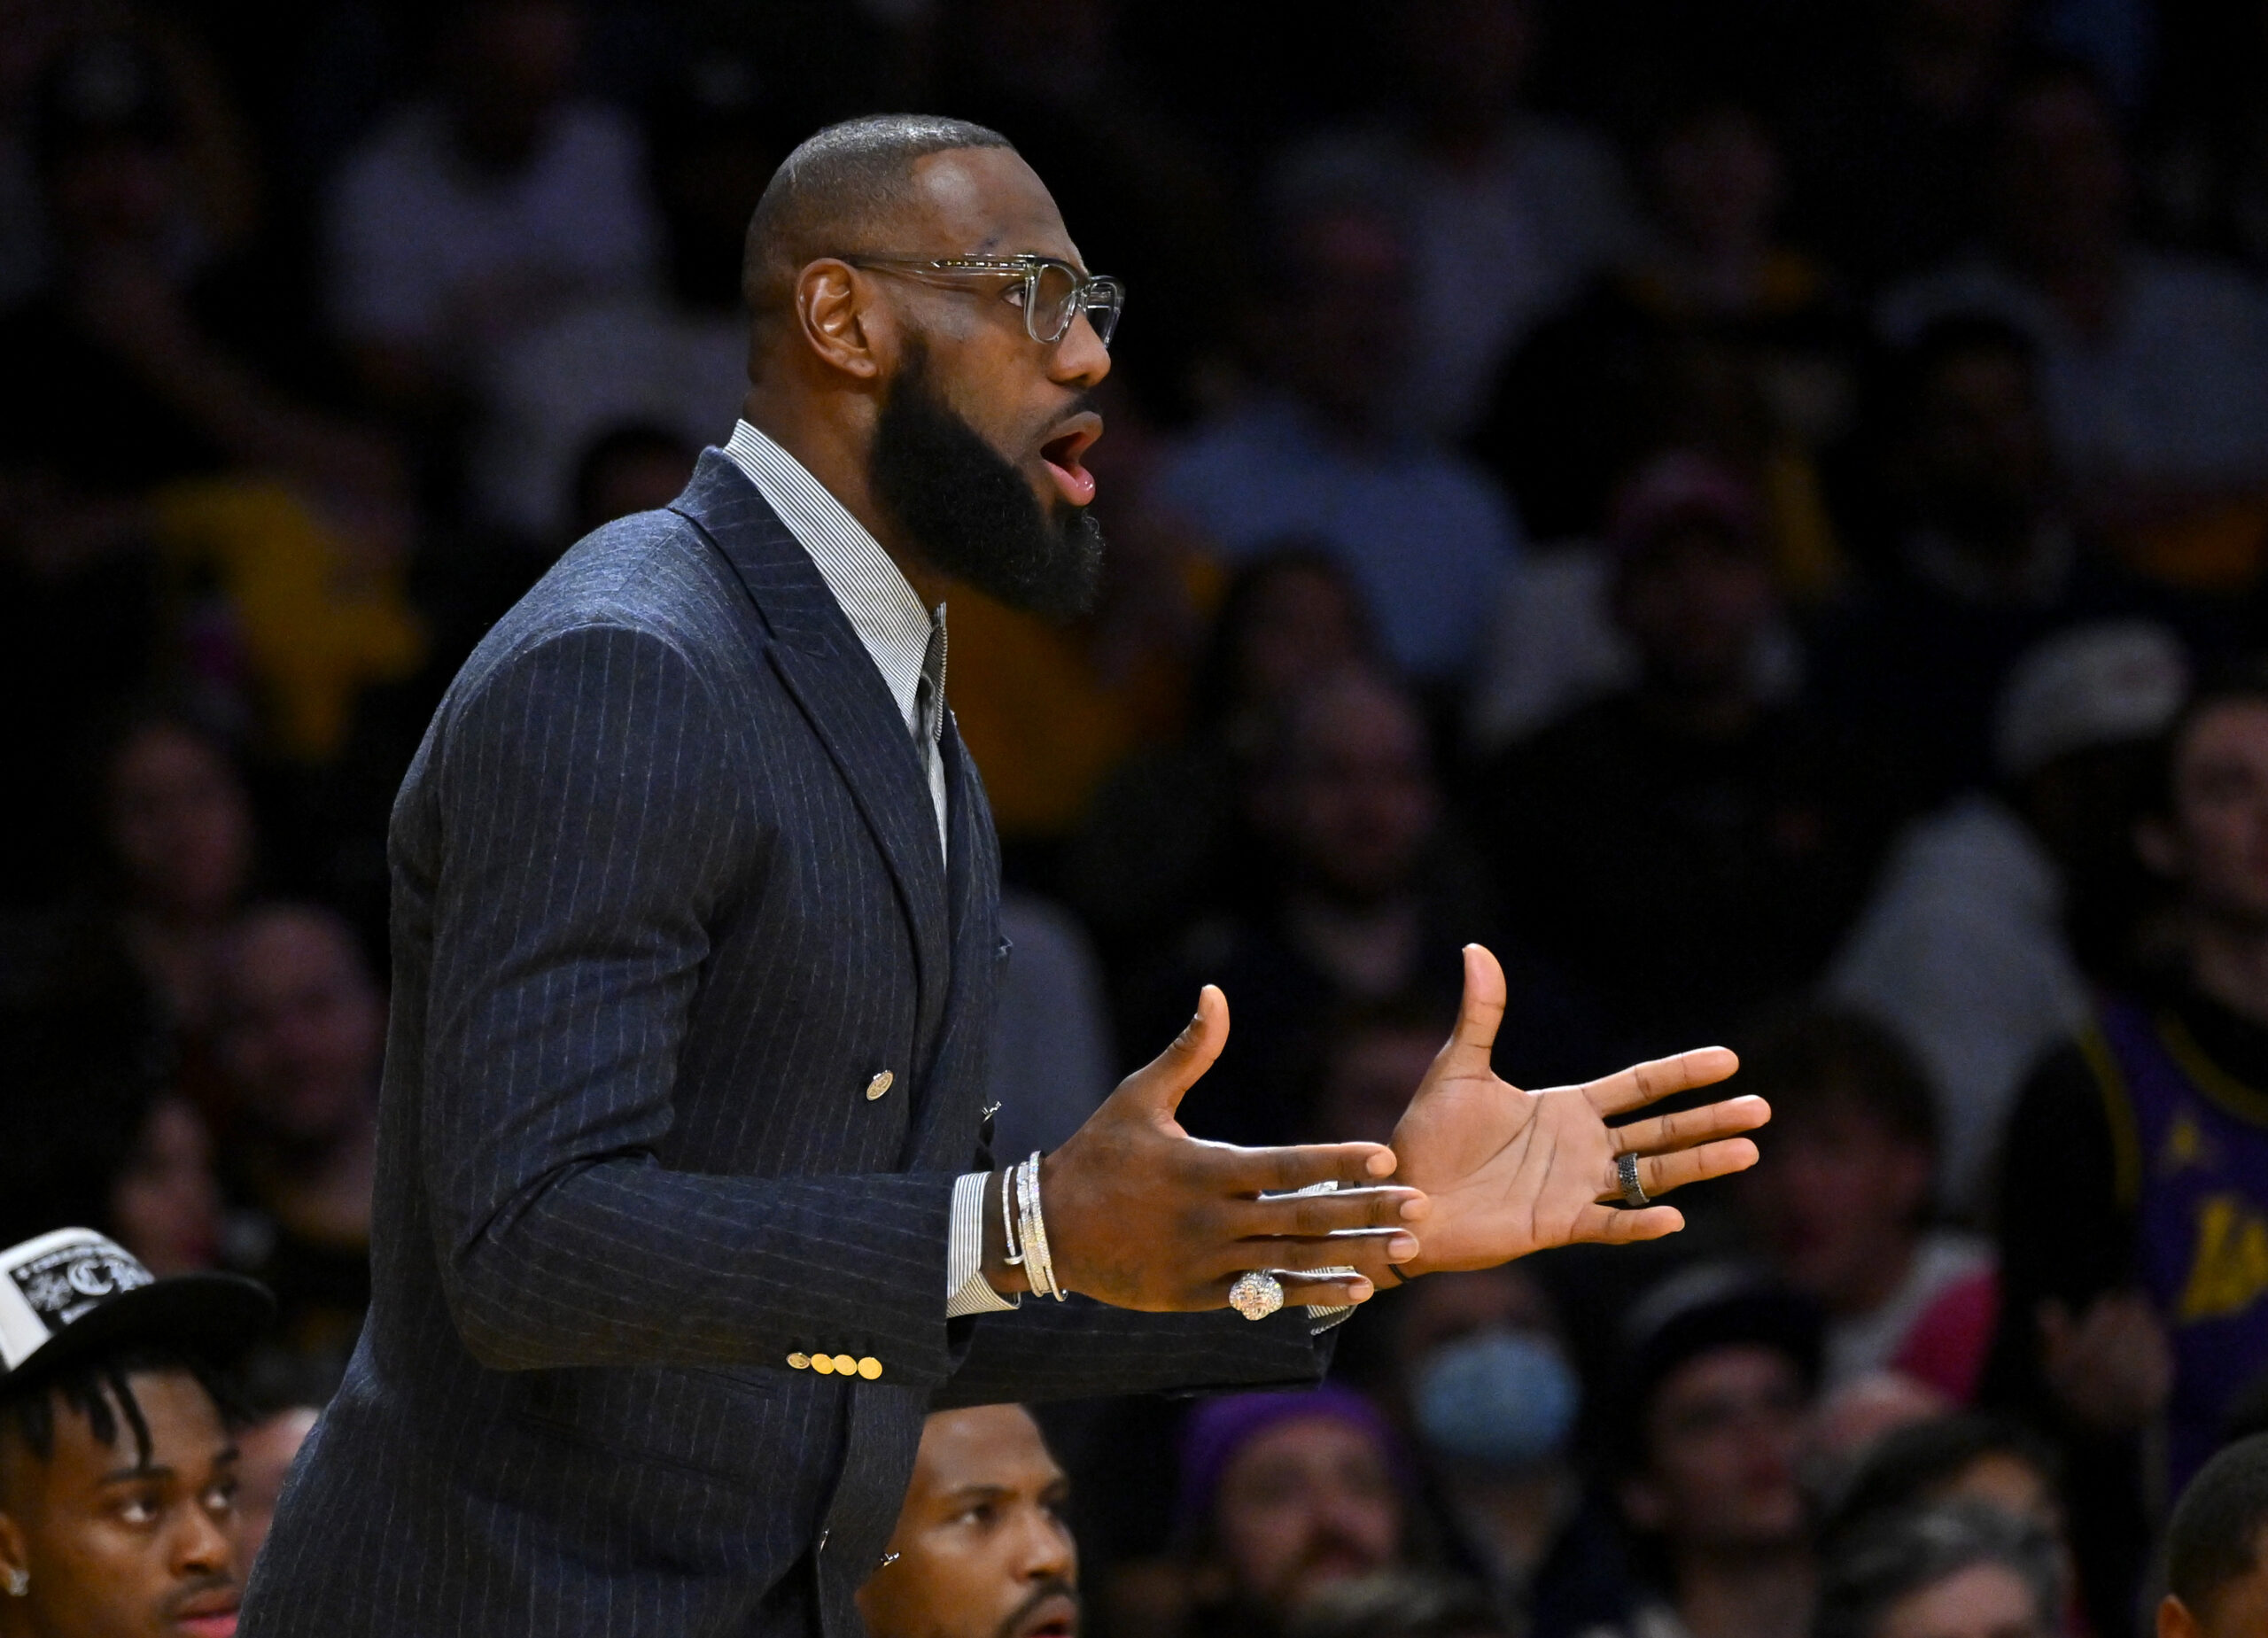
1057 296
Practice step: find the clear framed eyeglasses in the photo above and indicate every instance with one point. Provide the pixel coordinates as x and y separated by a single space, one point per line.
1054 292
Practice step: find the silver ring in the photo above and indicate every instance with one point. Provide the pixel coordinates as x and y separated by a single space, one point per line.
1256 1295
1634 1192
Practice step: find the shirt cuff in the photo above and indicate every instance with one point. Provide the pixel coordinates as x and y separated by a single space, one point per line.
967 1289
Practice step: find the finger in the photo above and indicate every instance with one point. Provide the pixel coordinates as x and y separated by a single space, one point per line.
1371 1252
1305 1214
1606 1226
1648 1082
1658 1174
1273 1171
1687 1127
1477 1015
1157 1087
1327 1291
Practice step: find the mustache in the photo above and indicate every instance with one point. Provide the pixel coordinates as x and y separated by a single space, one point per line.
1053 1588
203 1588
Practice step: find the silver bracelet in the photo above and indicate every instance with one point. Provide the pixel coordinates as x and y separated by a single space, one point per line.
1008 1218
1034 1228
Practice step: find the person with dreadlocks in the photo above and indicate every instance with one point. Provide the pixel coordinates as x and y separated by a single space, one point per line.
117 1459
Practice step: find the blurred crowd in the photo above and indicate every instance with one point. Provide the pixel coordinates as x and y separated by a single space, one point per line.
1756 511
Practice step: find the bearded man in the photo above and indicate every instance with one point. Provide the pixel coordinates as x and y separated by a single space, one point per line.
684 1218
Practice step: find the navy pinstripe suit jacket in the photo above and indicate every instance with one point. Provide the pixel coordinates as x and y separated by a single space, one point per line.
667 896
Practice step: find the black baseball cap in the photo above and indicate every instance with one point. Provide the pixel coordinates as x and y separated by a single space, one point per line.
74 1294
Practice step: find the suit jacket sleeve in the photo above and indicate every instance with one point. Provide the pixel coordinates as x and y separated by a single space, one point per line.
589 836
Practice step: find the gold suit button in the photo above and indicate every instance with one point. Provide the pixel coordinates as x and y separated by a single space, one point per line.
845 1366
870 1368
880 1084
823 1363
800 1361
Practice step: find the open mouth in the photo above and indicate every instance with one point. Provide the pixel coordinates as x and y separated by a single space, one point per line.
1057 1618
1061 455
213 1620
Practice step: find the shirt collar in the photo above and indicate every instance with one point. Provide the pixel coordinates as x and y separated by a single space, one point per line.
875 597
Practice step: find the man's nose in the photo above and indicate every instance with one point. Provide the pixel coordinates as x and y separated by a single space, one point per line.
1080 359
1049 1552
203 1546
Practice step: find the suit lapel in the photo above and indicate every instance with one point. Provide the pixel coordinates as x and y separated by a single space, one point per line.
833 679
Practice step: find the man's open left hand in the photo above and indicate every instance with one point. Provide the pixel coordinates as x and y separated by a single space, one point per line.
1509 1172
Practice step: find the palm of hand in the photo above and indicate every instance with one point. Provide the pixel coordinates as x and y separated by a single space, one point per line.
1509 1171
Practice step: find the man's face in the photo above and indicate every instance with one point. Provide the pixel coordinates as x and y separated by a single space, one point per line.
2063 181
2220 789
1352 792
178 822
1983 1600
1306 1503
1723 1432
1836 1194
1693 603
978 443
1978 452
981 1550
117 1548
302 1026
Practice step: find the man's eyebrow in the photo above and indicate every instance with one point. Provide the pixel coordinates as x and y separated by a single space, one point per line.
964 1493
140 1470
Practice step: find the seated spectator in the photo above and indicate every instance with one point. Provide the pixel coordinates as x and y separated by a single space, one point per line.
1977 561
1163 840
1482 1365
467 219
1975 1457
981 1549
266 1447
2217 1549
102 1139
1991 913
2155 366
673 359
1323 452
302 1028
1400 1606
1282 1495
2133 1197
94 1538
1512 209
1366 900
1718 1378
1841 1204
1687 847
1961 1570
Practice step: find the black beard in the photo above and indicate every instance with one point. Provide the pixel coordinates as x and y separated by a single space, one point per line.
969 511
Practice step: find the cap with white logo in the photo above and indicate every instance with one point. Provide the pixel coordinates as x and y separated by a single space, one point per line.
72 1293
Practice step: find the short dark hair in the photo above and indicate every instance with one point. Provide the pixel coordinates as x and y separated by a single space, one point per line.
1910 1462
1803 1060
835 185
2214 1538
1871 1572
100 1390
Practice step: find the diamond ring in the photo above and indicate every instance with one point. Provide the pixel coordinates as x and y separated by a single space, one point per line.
1626 1173
1256 1295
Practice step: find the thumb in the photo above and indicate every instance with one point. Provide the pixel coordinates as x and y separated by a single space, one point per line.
1156 1089
1477 1015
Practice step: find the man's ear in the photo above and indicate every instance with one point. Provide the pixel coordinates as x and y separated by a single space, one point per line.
834 310
15 1554
2175 1621
2159 847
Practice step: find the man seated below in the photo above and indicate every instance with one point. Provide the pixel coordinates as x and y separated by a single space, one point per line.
981 1549
117 1465
2217 1549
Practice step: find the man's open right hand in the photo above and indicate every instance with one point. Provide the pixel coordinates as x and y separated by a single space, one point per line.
1141 1215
